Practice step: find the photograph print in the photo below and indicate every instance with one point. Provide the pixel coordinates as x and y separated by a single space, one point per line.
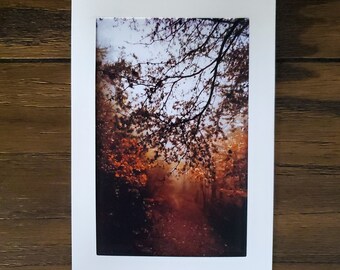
172 136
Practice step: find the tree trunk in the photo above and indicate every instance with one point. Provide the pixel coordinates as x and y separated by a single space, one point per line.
204 203
213 191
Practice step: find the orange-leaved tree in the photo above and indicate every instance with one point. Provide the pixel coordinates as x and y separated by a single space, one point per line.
119 152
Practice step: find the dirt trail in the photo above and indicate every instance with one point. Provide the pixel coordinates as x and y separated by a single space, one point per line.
183 230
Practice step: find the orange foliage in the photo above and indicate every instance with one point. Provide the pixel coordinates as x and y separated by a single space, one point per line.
232 161
230 166
126 161
118 152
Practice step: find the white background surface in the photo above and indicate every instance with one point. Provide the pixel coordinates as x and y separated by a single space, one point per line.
261 14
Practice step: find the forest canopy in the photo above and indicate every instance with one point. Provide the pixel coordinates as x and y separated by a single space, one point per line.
178 85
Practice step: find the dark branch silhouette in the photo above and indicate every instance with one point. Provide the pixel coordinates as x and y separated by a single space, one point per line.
194 93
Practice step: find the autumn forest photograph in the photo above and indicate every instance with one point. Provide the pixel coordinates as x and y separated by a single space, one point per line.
172 136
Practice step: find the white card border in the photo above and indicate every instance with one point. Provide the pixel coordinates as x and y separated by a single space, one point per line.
261 14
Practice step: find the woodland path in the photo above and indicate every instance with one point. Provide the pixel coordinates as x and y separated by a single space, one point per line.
182 229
